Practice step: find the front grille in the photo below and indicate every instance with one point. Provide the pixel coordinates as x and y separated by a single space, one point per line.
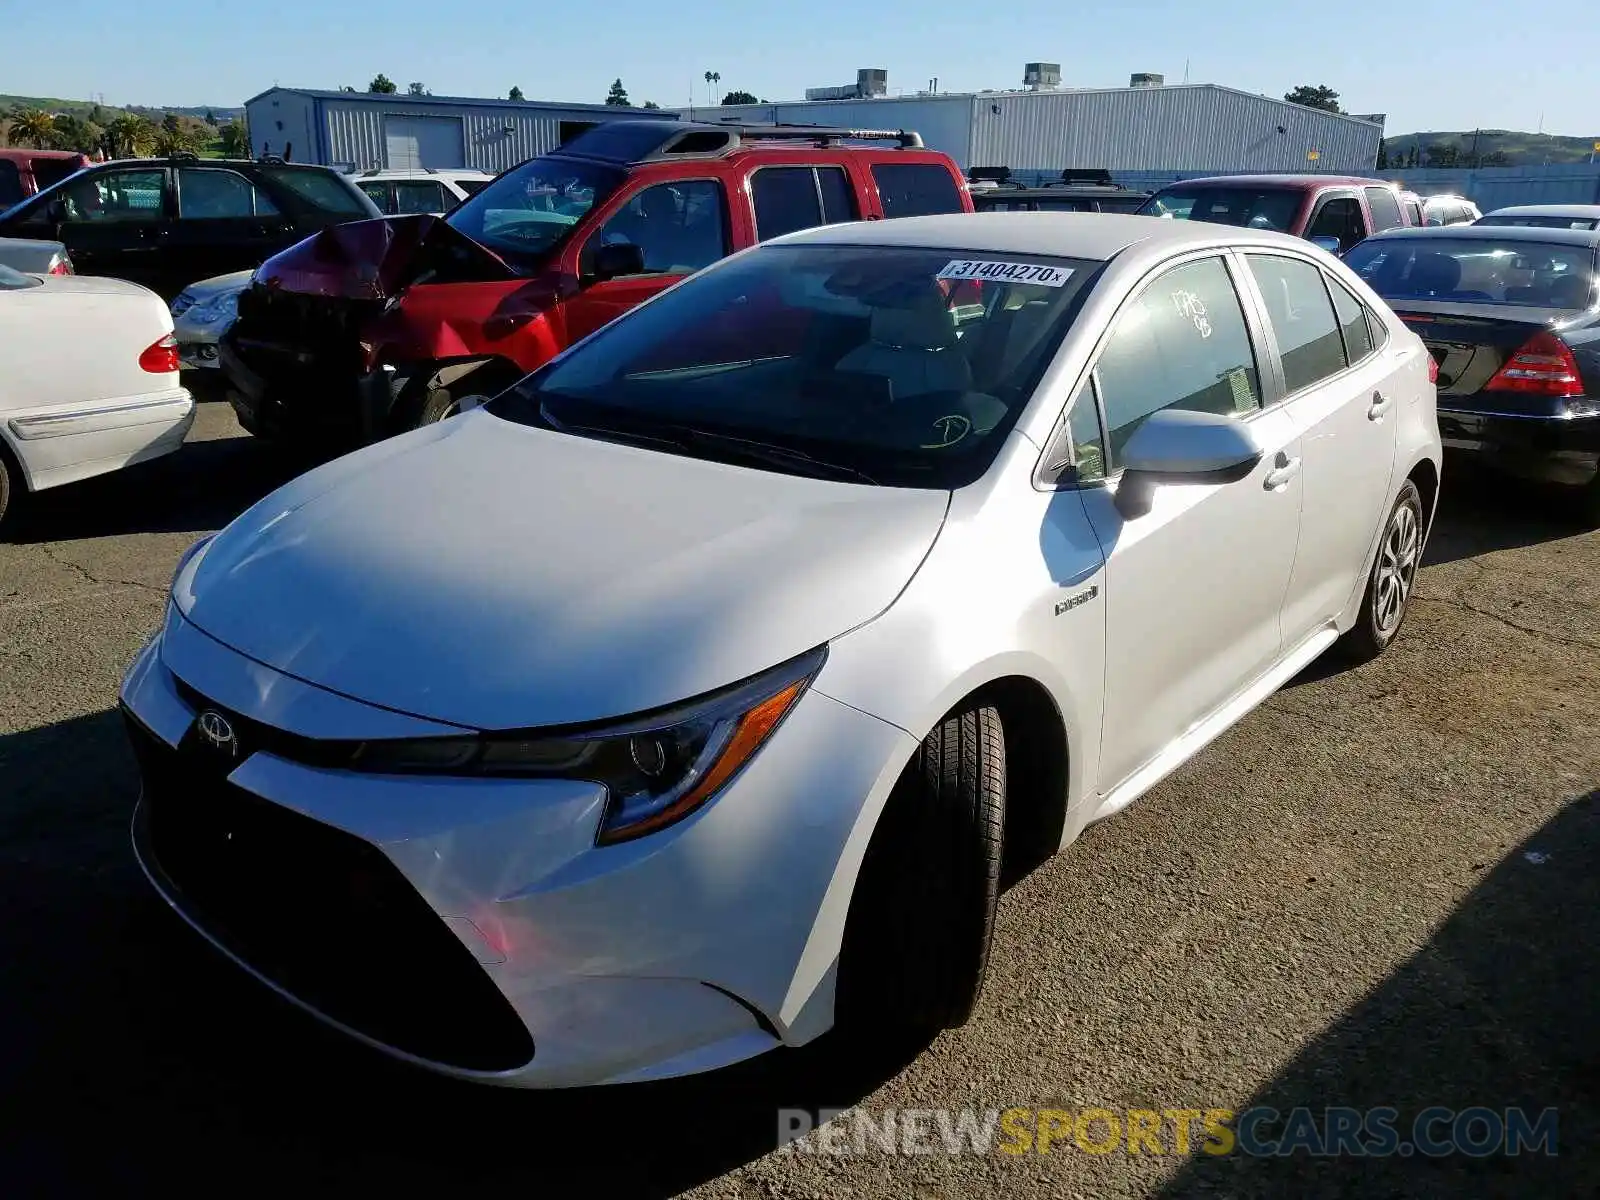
318 325
322 914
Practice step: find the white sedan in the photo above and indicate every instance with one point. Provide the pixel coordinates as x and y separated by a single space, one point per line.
765 628
90 381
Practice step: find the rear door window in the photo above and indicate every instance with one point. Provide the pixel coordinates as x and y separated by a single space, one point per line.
47 171
1302 318
10 184
413 196
321 190
378 193
838 196
1385 209
209 193
915 189
785 200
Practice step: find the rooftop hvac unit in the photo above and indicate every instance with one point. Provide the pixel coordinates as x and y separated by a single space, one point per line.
1146 79
1038 76
872 81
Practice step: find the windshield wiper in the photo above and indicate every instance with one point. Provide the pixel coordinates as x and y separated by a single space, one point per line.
786 457
685 438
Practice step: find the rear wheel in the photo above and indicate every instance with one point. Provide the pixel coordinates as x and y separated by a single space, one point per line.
11 487
1389 586
1589 504
916 945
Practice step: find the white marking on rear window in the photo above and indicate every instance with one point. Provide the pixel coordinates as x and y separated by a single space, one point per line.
1005 272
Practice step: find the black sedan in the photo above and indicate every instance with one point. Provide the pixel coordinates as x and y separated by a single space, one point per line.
1512 317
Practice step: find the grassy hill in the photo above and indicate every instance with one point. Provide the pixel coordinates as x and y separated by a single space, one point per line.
84 108
1496 147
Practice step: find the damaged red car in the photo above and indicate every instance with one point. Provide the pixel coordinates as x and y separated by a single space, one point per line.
375 327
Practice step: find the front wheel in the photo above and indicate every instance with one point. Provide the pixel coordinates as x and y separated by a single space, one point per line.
1393 578
916 945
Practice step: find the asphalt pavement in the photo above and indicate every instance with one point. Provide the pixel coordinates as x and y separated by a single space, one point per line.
1380 890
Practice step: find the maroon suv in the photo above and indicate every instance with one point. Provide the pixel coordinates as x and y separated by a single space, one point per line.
1321 208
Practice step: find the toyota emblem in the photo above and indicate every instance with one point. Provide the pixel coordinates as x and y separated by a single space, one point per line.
218 732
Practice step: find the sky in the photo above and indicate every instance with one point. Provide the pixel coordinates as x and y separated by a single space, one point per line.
1428 64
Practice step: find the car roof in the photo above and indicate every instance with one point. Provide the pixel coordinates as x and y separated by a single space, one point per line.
1496 233
1575 211
1058 190
1069 235
1306 182
422 173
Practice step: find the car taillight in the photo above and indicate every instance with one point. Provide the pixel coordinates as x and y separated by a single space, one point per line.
1542 366
62 266
1433 369
161 358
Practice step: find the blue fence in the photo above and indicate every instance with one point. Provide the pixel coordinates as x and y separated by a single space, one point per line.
1487 187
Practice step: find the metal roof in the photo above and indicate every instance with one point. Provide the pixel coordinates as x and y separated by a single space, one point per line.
405 98
1495 233
1071 235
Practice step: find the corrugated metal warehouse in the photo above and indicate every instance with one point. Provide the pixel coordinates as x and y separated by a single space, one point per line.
362 130
1186 128
1182 129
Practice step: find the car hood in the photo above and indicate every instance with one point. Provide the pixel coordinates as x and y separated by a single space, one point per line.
95 285
495 576
378 259
218 285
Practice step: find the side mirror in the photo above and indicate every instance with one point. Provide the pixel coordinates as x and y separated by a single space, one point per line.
1175 446
1330 244
615 260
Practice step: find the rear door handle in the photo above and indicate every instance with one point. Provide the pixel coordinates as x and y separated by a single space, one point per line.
1283 470
1380 405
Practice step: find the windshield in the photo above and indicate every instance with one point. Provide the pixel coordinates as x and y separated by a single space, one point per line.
1541 222
1477 270
1252 207
528 211
323 190
898 366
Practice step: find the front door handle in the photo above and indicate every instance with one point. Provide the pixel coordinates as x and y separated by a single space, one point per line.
1283 470
1380 405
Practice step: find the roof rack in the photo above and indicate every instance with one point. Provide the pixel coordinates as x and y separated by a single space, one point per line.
1097 176
726 137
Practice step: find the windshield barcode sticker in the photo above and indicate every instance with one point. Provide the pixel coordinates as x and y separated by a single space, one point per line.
1005 272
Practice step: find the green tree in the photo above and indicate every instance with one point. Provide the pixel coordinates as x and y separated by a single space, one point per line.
130 135
650 104
1495 158
235 140
514 94
1383 157
1444 154
211 119
416 88
171 124
617 97
33 127
383 85
75 133
1315 96
739 98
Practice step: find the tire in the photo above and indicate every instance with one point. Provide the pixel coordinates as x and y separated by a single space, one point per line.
1589 504
916 945
1392 580
438 405
11 489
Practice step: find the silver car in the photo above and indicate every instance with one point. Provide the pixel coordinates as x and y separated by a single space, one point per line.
35 257
202 313
694 693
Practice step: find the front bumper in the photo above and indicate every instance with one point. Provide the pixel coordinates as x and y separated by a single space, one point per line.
292 396
471 925
1563 449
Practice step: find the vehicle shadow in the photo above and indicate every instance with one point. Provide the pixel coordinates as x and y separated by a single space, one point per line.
1481 511
137 1057
1496 1010
201 486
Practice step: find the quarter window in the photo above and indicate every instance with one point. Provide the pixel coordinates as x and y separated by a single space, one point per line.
785 200
1302 318
1088 441
1182 343
680 226
115 196
206 193
1355 323
915 189
378 193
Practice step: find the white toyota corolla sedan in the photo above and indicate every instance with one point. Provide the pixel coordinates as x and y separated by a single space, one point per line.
697 692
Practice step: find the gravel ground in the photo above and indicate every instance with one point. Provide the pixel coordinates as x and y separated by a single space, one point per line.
1380 889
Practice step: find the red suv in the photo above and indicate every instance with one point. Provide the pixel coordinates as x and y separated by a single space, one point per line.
1325 209
25 173
375 327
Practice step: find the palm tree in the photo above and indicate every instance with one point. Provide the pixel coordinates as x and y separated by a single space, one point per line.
235 140
712 79
130 135
33 127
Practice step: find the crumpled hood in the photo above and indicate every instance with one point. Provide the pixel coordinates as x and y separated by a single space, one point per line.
380 258
493 575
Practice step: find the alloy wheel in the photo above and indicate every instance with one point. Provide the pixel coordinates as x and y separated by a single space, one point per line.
1397 568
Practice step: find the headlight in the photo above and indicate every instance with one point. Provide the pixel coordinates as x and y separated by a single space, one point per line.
222 308
658 768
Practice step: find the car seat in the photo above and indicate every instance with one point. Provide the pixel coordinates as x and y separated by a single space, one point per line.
912 344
